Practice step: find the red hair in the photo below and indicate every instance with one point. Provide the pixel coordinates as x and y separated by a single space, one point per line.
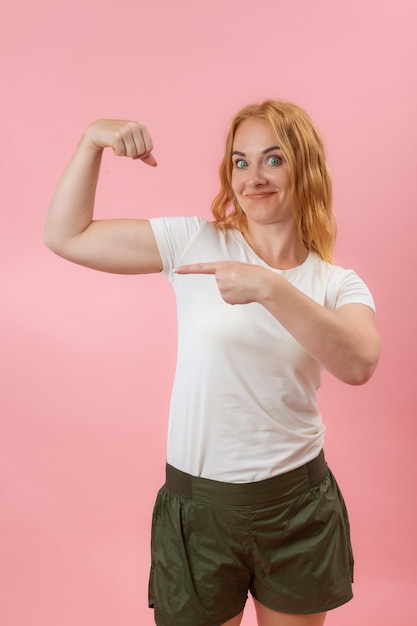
311 188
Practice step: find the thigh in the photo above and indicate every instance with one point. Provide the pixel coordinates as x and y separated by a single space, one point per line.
268 617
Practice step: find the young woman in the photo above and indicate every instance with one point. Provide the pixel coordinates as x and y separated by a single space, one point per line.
249 504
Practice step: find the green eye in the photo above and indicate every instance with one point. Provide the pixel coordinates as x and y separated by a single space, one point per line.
241 164
274 160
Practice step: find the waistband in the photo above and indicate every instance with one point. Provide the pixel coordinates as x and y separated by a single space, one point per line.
276 489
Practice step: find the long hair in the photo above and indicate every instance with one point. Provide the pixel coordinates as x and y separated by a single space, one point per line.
310 182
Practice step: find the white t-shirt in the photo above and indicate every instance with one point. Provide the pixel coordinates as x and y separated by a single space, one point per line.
243 404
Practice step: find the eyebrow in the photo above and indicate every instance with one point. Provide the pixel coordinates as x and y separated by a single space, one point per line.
263 151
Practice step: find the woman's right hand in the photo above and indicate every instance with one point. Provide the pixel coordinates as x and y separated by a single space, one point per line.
124 246
124 137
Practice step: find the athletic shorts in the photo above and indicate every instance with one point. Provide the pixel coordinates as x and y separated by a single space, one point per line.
285 540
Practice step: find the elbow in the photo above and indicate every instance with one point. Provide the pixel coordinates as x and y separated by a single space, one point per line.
52 242
359 378
47 240
52 245
361 372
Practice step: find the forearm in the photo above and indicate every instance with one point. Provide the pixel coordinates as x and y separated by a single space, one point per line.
117 245
347 350
71 209
345 341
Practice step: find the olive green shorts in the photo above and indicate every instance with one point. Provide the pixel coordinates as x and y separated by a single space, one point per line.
285 540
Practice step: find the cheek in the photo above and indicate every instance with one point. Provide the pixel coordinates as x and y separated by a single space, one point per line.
236 184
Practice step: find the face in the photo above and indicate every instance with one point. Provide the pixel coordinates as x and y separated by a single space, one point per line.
260 177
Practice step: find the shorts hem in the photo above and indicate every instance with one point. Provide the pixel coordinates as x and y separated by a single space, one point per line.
328 607
226 619
208 622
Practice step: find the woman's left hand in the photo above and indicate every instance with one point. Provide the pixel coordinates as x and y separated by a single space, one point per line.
238 283
344 341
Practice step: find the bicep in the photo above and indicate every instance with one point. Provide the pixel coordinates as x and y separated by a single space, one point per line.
120 246
362 318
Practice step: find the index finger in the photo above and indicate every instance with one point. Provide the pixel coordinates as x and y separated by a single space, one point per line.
197 268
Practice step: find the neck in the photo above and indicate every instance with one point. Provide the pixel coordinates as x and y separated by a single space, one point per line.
276 247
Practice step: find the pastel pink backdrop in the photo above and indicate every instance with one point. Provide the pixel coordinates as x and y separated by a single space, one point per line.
87 359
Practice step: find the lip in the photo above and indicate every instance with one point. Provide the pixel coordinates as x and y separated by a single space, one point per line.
259 196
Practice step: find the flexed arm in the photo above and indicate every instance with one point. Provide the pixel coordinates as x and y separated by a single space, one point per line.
123 246
344 341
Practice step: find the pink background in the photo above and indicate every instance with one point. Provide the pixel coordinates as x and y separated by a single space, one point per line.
87 358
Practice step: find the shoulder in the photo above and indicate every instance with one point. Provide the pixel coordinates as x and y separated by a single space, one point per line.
177 237
182 225
345 286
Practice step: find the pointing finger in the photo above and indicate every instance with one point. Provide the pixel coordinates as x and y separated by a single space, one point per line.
197 268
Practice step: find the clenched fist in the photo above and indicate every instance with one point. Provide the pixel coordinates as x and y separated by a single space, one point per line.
125 138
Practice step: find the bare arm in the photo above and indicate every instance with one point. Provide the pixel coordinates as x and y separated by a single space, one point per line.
345 341
120 245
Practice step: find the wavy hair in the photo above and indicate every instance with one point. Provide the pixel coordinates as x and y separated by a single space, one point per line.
310 181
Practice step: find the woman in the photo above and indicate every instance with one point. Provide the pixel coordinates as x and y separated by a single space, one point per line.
249 503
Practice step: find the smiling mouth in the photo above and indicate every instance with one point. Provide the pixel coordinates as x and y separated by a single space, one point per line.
256 196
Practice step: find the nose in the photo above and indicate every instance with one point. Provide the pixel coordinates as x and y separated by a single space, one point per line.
255 177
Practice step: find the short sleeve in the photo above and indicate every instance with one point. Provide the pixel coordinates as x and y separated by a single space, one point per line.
346 287
173 236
